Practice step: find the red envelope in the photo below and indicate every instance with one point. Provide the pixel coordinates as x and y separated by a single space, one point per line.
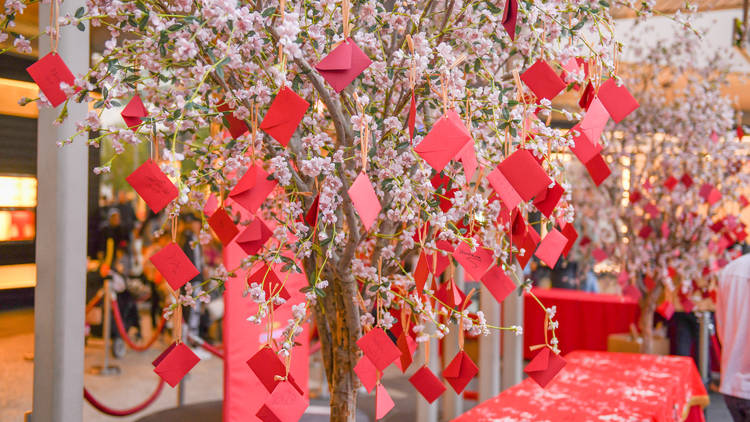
686 180
311 218
48 72
542 80
651 209
383 402
525 174
266 365
475 263
342 65
649 283
367 373
134 112
510 16
631 292
570 233
285 404
428 385
412 120
460 371
617 100
252 189
284 115
236 126
594 121
598 169
223 226
174 265
152 185
546 201
551 247
421 272
587 96
709 193
504 189
599 254
449 294
545 365
444 141
498 283
468 158
175 363
379 348
671 183
212 204
408 346
272 286
528 242
365 200
645 231
666 309
163 354
583 148
255 235
634 196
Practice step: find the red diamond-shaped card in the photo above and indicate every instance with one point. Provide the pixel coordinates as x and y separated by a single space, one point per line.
236 126
594 121
460 371
223 226
152 185
412 120
583 147
267 366
528 243
587 97
598 169
48 72
617 100
710 194
570 233
252 189
444 141
284 115
342 65
525 174
504 189
671 183
383 402
365 200
599 254
545 365
174 363
428 385
468 157
311 217
272 286
367 373
546 201
498 283
542 80
666 309
450 295
211 205
421 272
379 348
686 180
475 263
134 112
254 237
174 265
551 247
285 404
510 16
408 346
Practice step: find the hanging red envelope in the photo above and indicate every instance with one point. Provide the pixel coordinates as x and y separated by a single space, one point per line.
367 373
421 272
504 189
528 243
254 237
582 147
272 286
412 120
510 16
622 278
475 263
651 210
649 283
175 363
460 371
436 261
617 100
671 183
686 180
594 121
267 366
551 247
468 157
634 196
408 346
365 200
587 96
710 194
498 283
152 185
450 295
342 65
174 265
311 218
598 169
236 126
546 201
570 233
252 189
645 232
134 112
383 402
212 204
223 226
599 255
444 141
428 385
631 292
545 365
666 309
542 80
284 115
379 348
525 174
48 72
285 404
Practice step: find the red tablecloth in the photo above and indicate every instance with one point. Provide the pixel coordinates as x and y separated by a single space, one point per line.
586 319
602 386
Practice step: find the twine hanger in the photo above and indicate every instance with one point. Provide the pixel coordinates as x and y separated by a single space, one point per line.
54 21
282 56
345 11
461 320
413 68
364 133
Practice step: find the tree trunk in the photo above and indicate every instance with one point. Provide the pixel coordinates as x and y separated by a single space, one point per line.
648 307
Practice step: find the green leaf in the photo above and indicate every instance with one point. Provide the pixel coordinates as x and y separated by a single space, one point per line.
79 12
268 12
81 27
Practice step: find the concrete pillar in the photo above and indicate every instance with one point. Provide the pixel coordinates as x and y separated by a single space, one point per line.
489 348
60 296
512 372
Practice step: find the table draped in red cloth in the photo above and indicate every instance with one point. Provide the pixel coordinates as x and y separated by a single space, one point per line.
586 319
603 386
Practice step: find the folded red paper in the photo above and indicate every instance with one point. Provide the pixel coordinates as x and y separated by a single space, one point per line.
460 371
174 265
412 119
365 200
383 402
367 373
599 254
254 237
546 201
666 309
408 346
174 363
284 115
428 385
545 365
551 247
152 185
510 16
449 294
504 189
468 157
498 283
211 205
272 286
285 404
594 121
686 180
48 72
583 147
236 126
311 218
570 233
134 112
671 183
270 370
475 263
542 80
223 226
587 96
252 189
342 65
525 174
598 169
379 348
444 141
617 100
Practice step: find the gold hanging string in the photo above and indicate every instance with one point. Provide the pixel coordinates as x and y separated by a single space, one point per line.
427 352
282 56
253 128
345 6
377 294
364 132
54 23
444 92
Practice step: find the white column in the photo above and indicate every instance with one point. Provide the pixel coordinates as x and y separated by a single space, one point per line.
512 343
61 243
428 412
489 348
453 404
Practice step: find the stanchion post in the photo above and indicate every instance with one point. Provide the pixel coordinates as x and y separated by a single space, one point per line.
106 368
703 352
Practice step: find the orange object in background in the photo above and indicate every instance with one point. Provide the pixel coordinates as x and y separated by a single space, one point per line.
17 225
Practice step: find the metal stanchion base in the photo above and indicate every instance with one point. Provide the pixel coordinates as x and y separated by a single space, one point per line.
105 370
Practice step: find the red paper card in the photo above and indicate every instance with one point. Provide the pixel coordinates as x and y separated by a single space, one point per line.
383 402
528 242
175 363
651 209
504 189
266 365
152 185
671 183
421 272
582 147
645 232
48 72
542 80
134 112
367 373
460 371
551 247
599 255
365 200
174 265
252 189
525 174
631 292
510 16
545 365
444 141
587 96
379 348
285 404
236 126
412 120
686 180
428 385
598 169
468 158
709 193
284 115
570 233
594 121
617 100
649 283
212 204
272 286
254 237
408 346
342 65
475 263
666 309
163 354
311 218
498 283
223 226
449 294
546 201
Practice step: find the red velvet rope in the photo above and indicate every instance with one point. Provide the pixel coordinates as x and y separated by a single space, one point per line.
207 347
123 412
124 333
94 300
